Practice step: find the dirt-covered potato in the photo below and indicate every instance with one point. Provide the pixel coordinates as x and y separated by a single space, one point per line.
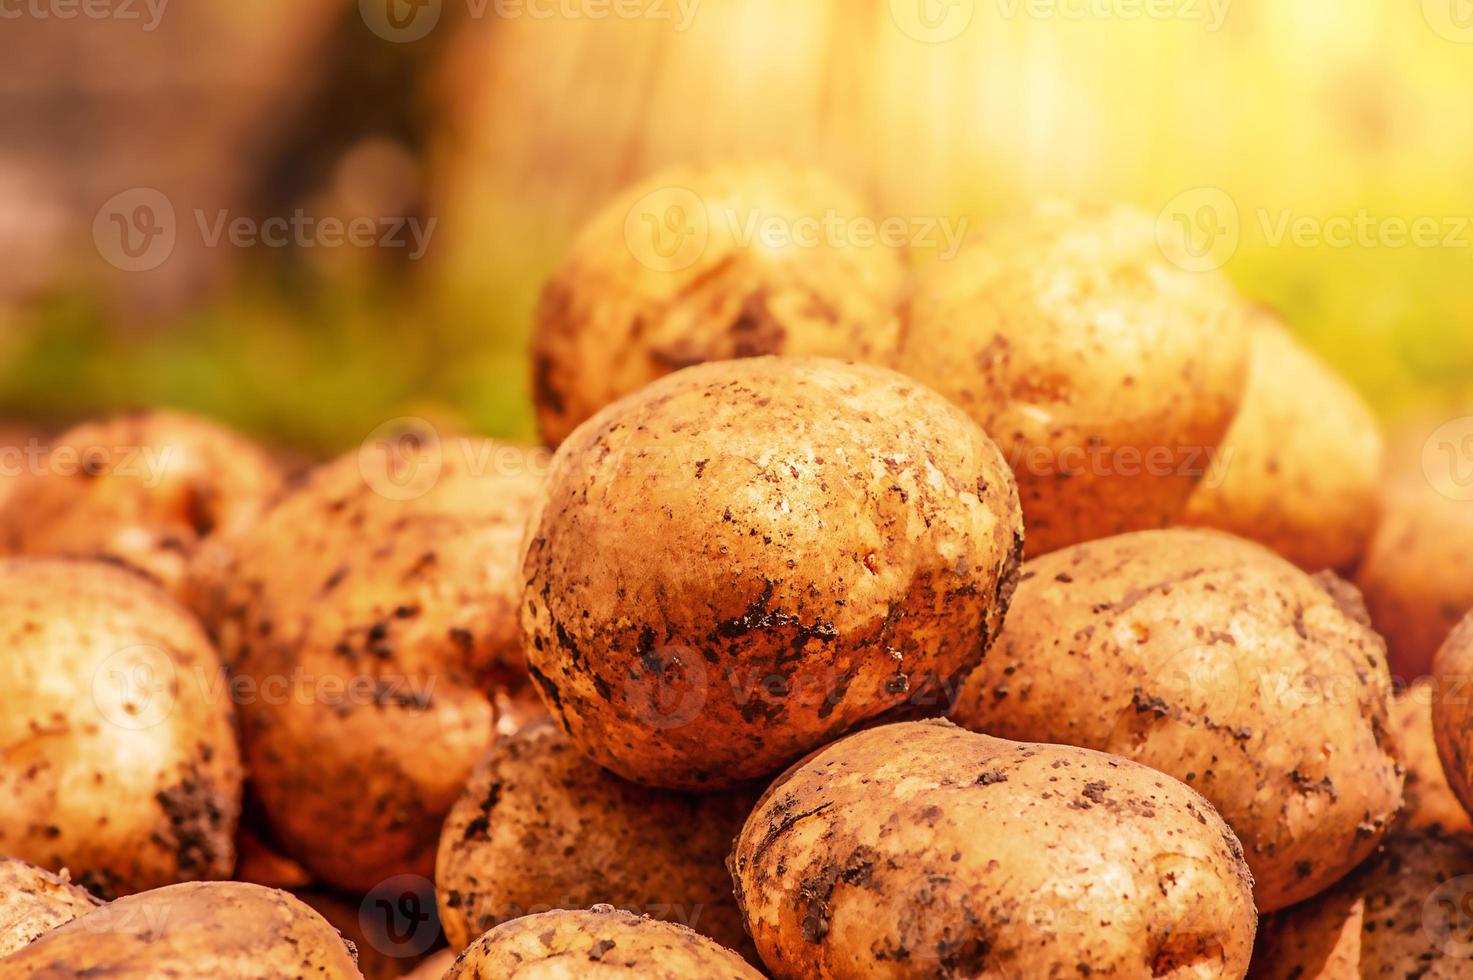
1415 574
1107 374
1452 710
924 850
1215 661
370 620
748 558
144 489
119 757
34 901
1405 913
219 930
1301 465
685 268
540 827
1429 800
601 942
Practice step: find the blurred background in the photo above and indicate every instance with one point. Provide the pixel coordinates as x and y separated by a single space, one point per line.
308 216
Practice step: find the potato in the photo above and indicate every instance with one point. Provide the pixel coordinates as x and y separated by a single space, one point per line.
748 558
1301 464
924 850
1429 800
1452 710
1415 573
602 942
1107 374
682 269
1219 663
370 619
120 760
540 827
205 930
1403 914
432 967
33 902
144 489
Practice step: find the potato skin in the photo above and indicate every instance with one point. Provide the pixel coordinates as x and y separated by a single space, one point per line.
1452 716
616 316
219 930
1301 464
34 901
1429 801
1107 375
921 849
367 629
602 942
121 761
541 827
1219 663
747 558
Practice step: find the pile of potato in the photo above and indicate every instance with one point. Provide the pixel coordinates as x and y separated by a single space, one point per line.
978 619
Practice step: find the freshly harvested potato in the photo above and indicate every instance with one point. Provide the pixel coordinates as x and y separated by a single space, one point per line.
684 269
120 759
432 967
1404 913
598 839
1452 710
748 558
219 930
1429 800
1215 661
924 850
602 942
33 902
1415 573
144 489
370 620
1107 374
1301 465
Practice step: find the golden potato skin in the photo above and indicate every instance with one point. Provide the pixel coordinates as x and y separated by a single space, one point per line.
120 758
34 901
601 942
748 558
1301 465
924 850
373 633
1429 802
1107 374
144 489
540 827
219 930
622 309
1386 919
1215 661
1452 716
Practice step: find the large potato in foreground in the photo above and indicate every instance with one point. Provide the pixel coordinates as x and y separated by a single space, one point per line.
119 761
144 489
1430 802
1107 374
222 930
602 942
370 618
684 269
923 850
1213 660
33 902
1452 710
1301 465
748 558
599 839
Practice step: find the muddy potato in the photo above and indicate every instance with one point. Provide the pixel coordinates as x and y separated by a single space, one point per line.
34 901
120 758
540 827
1107 374
1300 468
1219 663
1401 914
144 489
370 620
682 269
602 942
921 849
1429 801
1452 716
221 930
747 558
